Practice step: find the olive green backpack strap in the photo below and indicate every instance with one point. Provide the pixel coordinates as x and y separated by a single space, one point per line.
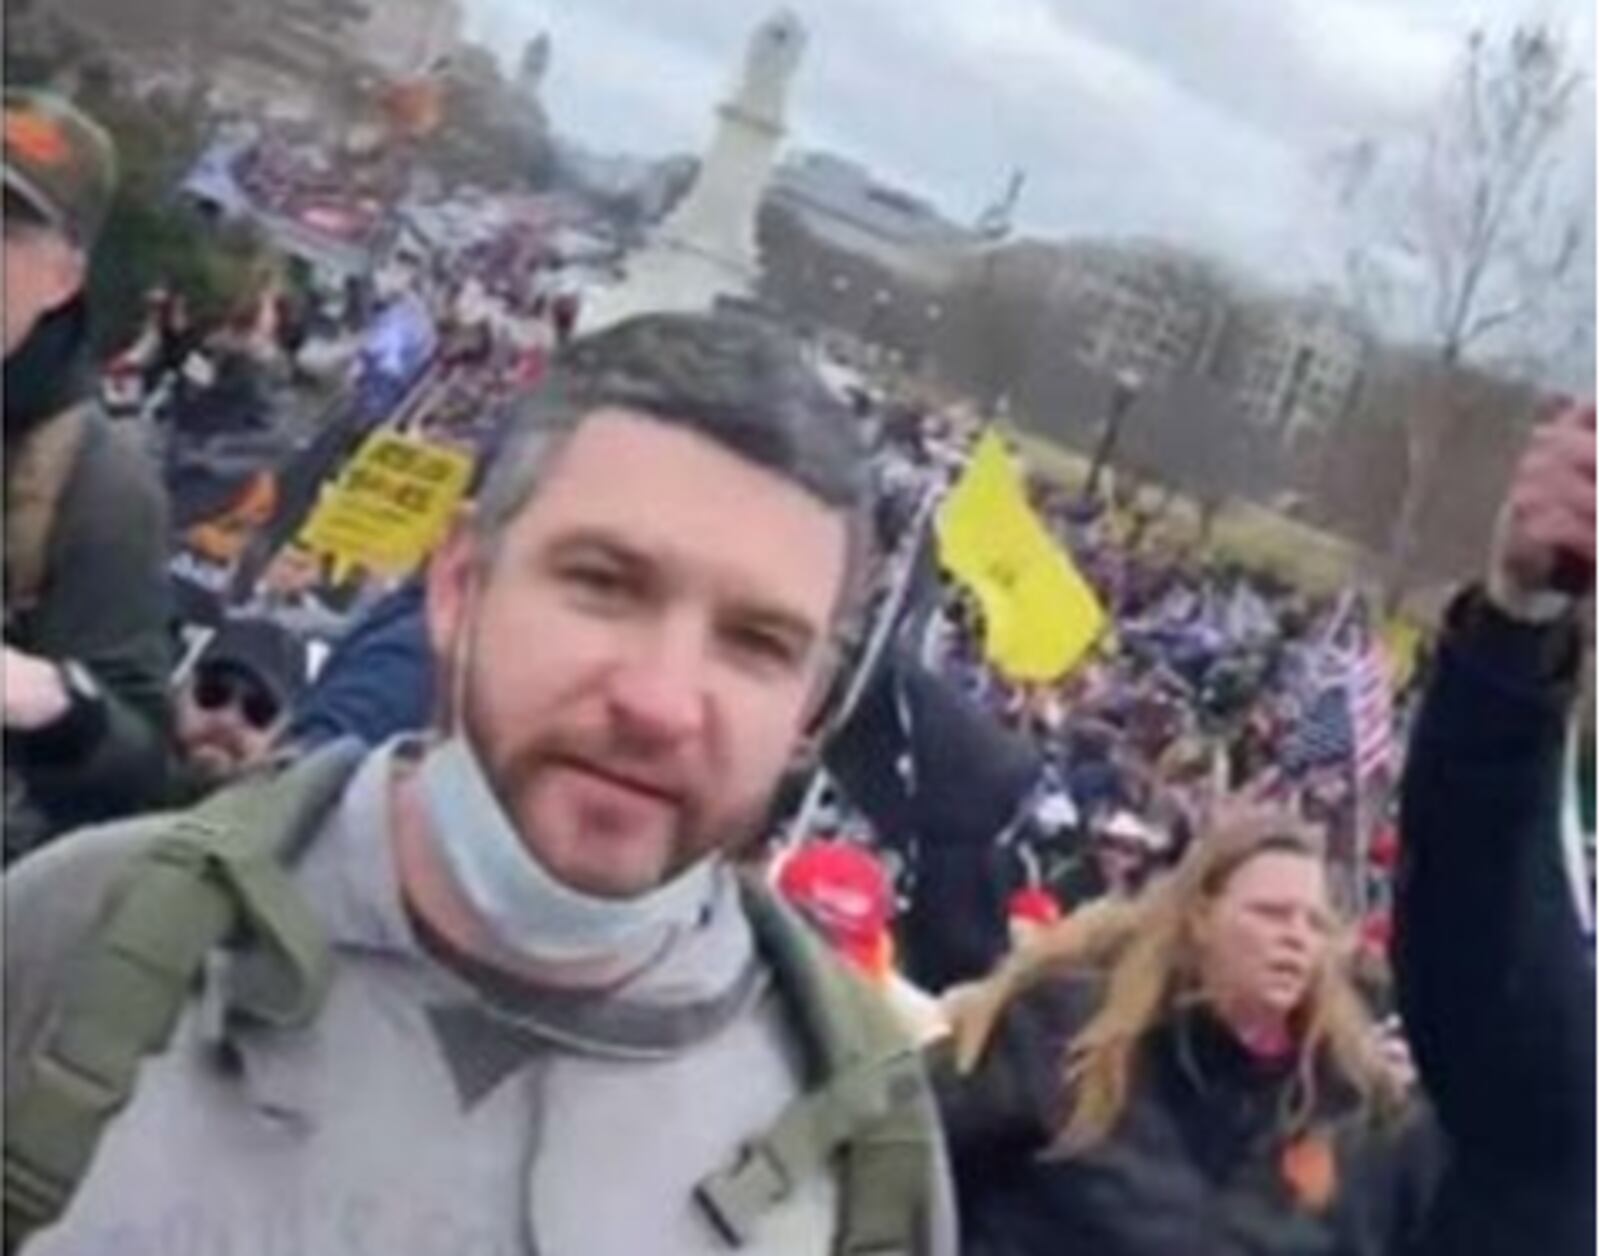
219 876
37 477
866 1117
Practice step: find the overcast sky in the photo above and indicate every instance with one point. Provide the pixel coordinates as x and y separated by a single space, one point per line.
1199 121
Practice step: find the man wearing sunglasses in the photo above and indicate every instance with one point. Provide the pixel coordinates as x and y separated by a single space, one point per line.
232 708
86 658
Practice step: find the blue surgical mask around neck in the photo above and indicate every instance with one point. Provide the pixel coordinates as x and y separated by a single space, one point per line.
527 909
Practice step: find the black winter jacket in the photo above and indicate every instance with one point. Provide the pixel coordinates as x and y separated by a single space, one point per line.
1496 980
1196 1166
971 779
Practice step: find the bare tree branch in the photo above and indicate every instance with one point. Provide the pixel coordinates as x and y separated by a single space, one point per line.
1474 216
1483 324
1472 224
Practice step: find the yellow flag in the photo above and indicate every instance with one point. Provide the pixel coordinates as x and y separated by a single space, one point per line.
1040 615
1402 641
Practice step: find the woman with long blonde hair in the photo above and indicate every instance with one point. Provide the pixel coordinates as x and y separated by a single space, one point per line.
1191 1072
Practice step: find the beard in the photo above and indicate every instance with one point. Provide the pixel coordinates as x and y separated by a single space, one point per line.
217 759
701 820
697 823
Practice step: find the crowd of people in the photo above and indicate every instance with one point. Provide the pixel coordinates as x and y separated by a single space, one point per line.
667 867
1211 682
288 172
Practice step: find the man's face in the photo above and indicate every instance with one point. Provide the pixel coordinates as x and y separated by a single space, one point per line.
645 647
42 272
227 721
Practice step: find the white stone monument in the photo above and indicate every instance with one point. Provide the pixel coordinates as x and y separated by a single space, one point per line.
706 248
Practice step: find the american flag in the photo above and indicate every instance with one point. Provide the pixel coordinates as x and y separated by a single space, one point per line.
1372 712
1350 718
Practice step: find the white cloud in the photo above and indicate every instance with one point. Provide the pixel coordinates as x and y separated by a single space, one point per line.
1372 62
613 81
1025 46
1197 120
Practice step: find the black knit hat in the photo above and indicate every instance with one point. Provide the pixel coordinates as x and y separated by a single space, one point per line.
264 650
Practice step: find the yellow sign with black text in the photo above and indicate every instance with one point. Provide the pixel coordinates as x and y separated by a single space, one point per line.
390 506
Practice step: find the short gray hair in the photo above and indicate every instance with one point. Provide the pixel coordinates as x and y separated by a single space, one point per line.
729 378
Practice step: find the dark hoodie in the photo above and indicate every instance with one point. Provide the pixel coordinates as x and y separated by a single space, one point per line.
1495 973
102 599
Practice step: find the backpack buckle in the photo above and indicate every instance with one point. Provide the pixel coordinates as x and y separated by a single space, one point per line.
736 1198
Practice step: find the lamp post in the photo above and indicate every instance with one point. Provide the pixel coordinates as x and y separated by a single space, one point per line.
881 300
840 285
1125 388
930 337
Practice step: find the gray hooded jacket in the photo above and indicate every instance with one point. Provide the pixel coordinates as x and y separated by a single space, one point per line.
423 1111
